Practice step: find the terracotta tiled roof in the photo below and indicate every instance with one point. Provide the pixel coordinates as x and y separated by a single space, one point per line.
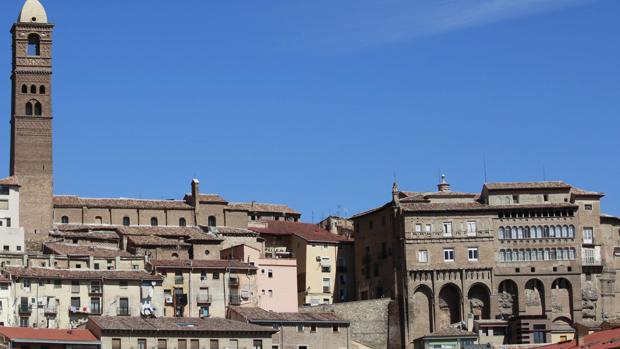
451 332
582 192
21 272
23 335
83 250
261 315
436 194
75 201
168 232
598 340
263 208
85 232
176 324
306 231
201 264
230 231
10 181
151 240
527 185
212 198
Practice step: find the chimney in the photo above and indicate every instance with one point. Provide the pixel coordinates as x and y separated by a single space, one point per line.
196 199
444 186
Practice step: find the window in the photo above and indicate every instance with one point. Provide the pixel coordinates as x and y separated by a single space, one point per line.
38 109
141 343
123 284
34 45
195 344
42 90
64 220
95 305
75 302
448 255
588 235
447 229
99 220
182 222
257 344
546 197
428 228
418 228
335 328
312 328
472 254
154 222
214 344
126 221
57 283
123 306
471 228
212 221
216 276
182 344
539 334
300 328
24 89
423 256
326 285
23 322
588 207
270 273
515 199
162 344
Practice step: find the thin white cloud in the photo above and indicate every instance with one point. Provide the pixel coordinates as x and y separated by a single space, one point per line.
369 23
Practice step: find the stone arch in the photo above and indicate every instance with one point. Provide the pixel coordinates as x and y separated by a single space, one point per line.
534 297
422 310
479 303
508 299
449 305
562 298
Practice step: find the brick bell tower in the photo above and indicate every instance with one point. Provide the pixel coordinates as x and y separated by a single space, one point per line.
31 120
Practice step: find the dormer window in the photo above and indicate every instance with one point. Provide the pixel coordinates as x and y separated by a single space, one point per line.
34 45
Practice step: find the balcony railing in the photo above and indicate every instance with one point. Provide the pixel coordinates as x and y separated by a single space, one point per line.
25 308
95 290
235 299
51 309
203 298
451 235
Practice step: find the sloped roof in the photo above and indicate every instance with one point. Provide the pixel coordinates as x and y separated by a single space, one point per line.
10 181
176 324
307 231
21 272
527 185
152 240
83 250
598 340
262 315
263 207
23 335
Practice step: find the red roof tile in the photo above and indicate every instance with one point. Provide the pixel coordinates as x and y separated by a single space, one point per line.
22 334
11 181
598 340
201 264
527 185
76 201
21 272
263 208
83 250
306 231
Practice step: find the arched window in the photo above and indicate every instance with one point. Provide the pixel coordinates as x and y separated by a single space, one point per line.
571 231
64 220
154 221
212 222
502 255
546 232
182 222
526 232
565 231
513 232
29 108
99 220
540 255
175 256
560 254
571 255
34 45
24 89
539 232
552 231
520 233
42 89
501 233
546 254
38 109
553 254
33 89
126 221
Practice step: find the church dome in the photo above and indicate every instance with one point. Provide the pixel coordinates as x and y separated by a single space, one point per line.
33 12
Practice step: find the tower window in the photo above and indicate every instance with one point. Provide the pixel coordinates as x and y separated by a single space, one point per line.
33 89
42 89
126 221
212 222
24 89
154 222
38 110
29 108
34 45
64 220
182 222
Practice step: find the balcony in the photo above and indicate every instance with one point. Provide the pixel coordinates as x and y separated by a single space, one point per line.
203 298
95 290
25 309
235 299
233 281
51 310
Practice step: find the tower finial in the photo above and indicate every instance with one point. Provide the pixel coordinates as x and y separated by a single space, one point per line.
443 186
32 12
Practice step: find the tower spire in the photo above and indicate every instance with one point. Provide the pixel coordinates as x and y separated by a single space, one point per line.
32 12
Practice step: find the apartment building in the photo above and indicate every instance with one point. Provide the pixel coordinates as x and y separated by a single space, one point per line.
298 330
276 292
179 333
325 272
11 233
65 298
205 288
6 302
529 253
37 338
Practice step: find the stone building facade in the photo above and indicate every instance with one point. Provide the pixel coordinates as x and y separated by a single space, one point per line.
531 253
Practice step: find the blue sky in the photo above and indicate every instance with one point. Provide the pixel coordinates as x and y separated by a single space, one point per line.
318 104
